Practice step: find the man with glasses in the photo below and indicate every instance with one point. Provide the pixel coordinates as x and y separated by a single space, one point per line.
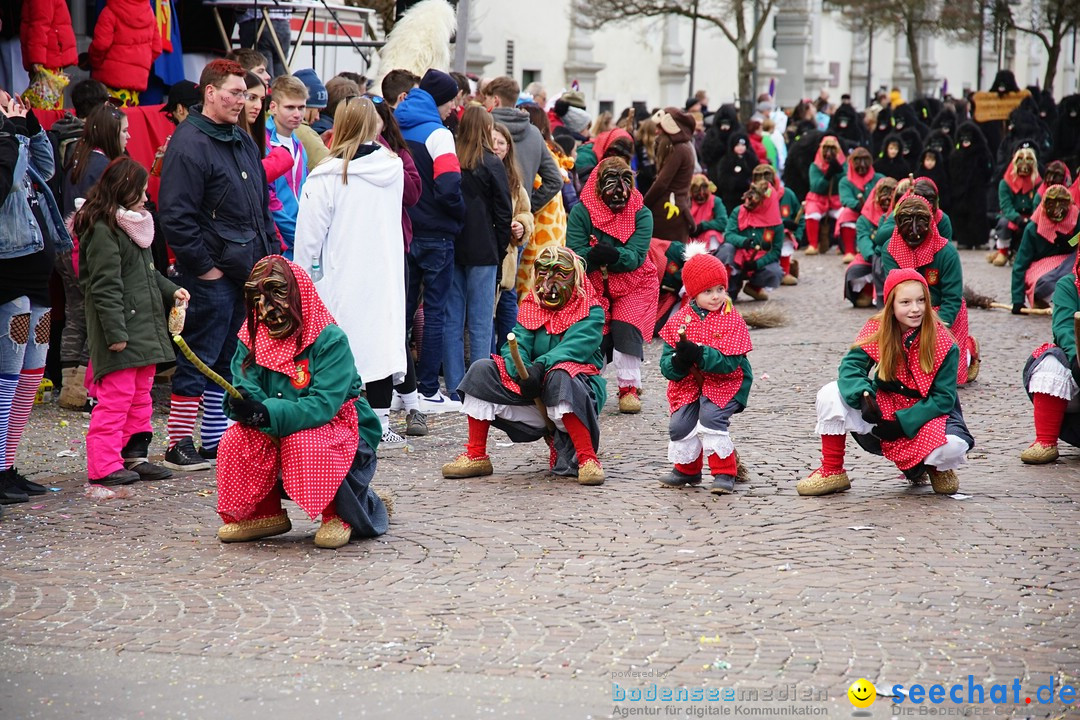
215 215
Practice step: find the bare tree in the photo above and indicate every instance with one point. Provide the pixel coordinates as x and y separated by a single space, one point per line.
912 19
734 18
1050 21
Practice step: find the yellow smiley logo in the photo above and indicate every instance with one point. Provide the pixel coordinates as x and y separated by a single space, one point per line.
862 693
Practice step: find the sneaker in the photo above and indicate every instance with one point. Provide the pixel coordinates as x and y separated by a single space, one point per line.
391 440
209 454
117 477
9 491
27 485
416 424
184 457
438 403
396 403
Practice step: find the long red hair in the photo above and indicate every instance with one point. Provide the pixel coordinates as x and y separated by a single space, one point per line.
890 335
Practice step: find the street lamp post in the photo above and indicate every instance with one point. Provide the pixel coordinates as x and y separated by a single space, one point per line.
693 48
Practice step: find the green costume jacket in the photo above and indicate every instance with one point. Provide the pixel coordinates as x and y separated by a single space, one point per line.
849 194
823 184
632 254
125 302
579 344
789 213
864 238
712 361
945 277
1066 303
333 381
1034 247
753 238
1017 207
854 378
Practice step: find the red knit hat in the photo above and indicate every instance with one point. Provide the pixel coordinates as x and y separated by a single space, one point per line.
702 270
902 275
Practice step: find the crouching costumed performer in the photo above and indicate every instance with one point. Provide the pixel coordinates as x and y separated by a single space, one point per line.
302 428
907 410
704 360
559 331
1052 377
612 229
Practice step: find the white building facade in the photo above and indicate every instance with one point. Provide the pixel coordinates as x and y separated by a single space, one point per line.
804 47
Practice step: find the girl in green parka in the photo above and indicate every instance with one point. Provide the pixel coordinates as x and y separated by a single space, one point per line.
125 320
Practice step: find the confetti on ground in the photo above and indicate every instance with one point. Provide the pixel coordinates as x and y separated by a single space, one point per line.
861 527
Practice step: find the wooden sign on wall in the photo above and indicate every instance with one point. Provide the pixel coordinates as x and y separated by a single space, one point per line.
990 106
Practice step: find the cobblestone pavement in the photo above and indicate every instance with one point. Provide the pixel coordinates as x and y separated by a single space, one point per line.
521 594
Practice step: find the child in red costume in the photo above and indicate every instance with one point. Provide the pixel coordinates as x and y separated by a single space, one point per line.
907 410
126 43
709 376
823 199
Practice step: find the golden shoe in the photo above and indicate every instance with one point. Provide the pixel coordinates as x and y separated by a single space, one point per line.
464 466
630 404
862 300
991 255
812 250
818 483
247 530
973 368
1000 260
1039 454
590 473
848 257
944 482
789 279
756 293
333 533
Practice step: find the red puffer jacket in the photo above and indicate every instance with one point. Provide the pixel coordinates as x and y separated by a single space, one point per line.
46 34
126 41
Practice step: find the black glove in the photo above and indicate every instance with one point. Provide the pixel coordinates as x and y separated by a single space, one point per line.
603 254
791 225
533 384
249 412
1016 308
889 430
749 267
688 353
695 229
834 168
871 413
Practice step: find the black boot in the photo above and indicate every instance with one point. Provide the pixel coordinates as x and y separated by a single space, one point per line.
136 456
27 485
9 490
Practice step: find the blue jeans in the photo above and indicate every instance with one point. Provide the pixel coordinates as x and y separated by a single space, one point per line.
431 265
506 312
215 314
19 346
472 297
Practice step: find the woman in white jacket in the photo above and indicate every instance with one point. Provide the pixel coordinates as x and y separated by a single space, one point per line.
348 238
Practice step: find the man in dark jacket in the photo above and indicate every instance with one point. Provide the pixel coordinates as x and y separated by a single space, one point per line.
436 221
530 150
214 211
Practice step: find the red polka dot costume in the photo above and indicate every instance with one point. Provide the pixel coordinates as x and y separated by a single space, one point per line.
919 407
